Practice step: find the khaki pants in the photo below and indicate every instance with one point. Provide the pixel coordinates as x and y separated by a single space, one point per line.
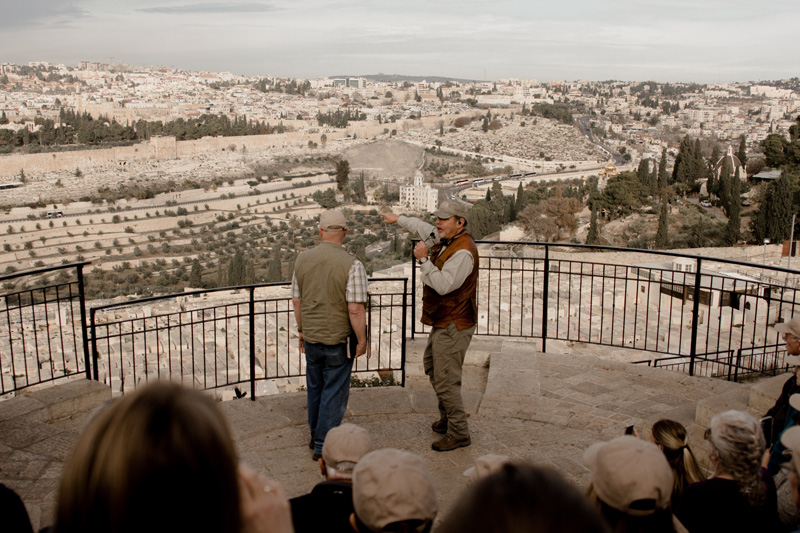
442 361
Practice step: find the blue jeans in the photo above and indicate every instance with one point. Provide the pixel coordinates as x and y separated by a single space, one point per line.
328 383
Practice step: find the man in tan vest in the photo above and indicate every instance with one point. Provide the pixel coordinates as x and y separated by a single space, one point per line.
449 272
329 292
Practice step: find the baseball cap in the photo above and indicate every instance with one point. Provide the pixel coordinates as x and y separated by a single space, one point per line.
390 486
451 208
792 327
628 474
486 465
791 439
347 442
332 218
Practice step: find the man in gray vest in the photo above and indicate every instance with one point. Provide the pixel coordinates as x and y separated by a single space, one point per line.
329 293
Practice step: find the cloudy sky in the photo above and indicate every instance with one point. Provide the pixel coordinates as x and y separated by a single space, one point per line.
664 40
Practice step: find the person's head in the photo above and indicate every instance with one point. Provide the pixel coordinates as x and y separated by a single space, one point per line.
791 439
791 335
485 465
392 491
451 219
631 484
164 451
673 440
736 446
332 226
344 446
520 498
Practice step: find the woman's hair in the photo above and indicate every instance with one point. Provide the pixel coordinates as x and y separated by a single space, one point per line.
521 498
738 442
160 459
672 438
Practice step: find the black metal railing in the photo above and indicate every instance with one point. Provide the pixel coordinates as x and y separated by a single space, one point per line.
696 314
646 300
42 329
241 336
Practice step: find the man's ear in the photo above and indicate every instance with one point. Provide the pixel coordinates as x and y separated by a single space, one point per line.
353 522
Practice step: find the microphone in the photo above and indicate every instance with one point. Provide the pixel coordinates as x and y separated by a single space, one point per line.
430 241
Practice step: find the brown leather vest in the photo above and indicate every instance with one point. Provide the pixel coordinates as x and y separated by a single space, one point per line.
460 305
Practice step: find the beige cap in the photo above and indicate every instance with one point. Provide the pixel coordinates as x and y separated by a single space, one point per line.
391 485
792 327
451 208
627 470
791 439
347 442
332 218
486 465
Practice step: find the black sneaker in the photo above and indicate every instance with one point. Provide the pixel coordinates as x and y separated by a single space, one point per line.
449 442
316 457
440 426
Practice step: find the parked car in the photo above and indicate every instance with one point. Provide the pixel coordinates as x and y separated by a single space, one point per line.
705 203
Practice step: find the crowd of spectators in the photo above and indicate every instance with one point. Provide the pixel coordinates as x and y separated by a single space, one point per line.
162 459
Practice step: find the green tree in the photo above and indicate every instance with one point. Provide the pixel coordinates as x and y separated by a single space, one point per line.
359 192
236 269
196 274
342 174
724 188
662 234
274 273
520 199
593 236
733 229
663 179
741 153
773 218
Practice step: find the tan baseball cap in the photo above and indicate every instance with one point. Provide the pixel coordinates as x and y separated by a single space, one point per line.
451 208
392 485
347 442
486 465
630 475
791 439
332 218
792 327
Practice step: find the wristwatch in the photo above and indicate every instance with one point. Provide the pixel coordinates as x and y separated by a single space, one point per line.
422 260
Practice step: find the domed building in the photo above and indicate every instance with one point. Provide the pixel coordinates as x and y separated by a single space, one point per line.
609 171
734 164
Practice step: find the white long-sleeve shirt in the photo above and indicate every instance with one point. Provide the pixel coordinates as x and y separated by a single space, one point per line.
454 271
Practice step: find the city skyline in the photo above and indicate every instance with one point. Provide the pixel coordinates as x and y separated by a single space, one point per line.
660 40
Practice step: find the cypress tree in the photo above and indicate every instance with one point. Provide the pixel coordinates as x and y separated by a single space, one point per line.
741 153
196 274
663 180
593 236
662 237
520 199
236 269
725 184
274 272
733 229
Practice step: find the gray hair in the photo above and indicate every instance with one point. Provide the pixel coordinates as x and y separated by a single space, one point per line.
739 442
344 470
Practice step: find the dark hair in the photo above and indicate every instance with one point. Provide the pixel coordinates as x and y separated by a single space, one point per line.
161 459
521 498
658 522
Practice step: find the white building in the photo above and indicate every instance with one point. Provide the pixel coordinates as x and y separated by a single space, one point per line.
419 196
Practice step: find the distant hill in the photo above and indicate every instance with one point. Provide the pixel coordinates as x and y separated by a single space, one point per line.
396 78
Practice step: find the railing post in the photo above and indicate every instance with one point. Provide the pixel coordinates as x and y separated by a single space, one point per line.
403 336
84 326
413 291
252 315
545 300
695 318
93 364
738 362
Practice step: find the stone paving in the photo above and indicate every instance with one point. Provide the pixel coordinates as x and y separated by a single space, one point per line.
540 407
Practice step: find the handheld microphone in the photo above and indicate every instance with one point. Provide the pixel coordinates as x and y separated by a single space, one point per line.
430 241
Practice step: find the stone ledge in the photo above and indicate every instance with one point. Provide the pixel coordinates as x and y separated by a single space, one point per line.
764 393
71 397
708 407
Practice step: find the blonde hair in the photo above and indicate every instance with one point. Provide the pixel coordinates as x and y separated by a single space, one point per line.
674 442
161 459
738 441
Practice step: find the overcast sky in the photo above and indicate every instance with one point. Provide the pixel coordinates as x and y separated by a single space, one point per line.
664 40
